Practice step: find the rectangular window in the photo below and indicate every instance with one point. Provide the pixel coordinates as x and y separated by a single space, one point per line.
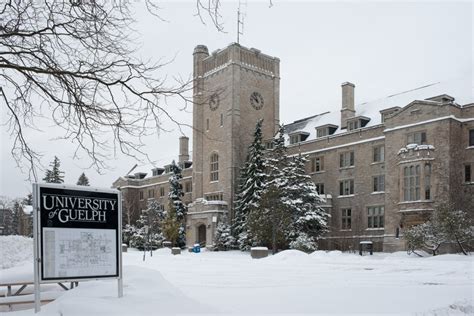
427 181
269 145
141 195
418 138
317 164
375 217
471 137
379 154
346 222
321 132
346 187
222 119
379 183
346 159
188 187
162 191
411 183
320 188
467 173
214 197
214 166
207 124
294 139
151 193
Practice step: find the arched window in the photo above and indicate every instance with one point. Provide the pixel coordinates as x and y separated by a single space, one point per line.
214 176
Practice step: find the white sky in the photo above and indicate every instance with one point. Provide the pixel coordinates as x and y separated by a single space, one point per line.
382 47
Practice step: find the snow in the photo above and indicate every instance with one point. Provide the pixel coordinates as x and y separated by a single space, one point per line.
289 282
15 250
415 147
462 89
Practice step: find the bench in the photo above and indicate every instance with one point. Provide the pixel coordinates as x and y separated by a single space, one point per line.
10 301
24 284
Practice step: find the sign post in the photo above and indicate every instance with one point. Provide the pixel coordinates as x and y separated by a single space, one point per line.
77 234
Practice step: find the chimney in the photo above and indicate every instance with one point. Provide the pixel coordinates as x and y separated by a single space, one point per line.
183 149
347 110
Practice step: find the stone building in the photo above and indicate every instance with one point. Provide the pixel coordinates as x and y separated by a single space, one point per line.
381 166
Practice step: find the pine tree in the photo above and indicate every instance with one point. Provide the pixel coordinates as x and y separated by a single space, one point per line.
55 175
224 239
309 218
8 222
178 207
28 200
252 178
83 180
17 218
272 222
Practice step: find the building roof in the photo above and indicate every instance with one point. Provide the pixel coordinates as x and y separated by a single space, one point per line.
461 89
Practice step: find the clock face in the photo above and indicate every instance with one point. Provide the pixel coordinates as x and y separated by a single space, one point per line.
256 100
214 102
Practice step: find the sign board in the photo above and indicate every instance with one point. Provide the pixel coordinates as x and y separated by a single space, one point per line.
77 234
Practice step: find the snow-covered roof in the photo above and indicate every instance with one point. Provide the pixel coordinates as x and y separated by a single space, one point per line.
461 89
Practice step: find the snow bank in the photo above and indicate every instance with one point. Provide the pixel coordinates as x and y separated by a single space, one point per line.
291 254
14 250
146 292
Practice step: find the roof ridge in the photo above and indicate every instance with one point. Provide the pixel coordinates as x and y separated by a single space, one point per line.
400 93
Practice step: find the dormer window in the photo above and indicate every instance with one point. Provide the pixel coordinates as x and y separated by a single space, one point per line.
157 171
387 113
269 145
298 137
357 122
168 169
325 130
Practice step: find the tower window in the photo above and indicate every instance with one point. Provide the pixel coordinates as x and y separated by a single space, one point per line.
471 137
222 119
214 167
207 124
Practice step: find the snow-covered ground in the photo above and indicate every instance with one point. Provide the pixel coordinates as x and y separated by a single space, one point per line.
290 282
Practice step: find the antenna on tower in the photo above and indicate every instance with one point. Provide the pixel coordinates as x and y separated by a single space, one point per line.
240 19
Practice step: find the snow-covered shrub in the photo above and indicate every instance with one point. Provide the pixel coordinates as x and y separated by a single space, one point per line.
224 239
304 243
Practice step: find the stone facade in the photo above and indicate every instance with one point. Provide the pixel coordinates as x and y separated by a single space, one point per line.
382 166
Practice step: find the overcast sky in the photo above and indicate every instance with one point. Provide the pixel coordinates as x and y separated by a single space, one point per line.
382 47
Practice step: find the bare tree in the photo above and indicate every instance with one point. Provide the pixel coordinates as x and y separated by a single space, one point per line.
73 62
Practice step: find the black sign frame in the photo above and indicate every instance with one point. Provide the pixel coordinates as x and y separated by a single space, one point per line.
93 208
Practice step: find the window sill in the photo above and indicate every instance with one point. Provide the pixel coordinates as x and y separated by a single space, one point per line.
215 181
378 192
417 201
345 168
378 228
470 147
377 163
317 172
346 196
345 230
469 183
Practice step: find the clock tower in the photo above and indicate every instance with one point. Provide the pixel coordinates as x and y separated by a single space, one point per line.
233 89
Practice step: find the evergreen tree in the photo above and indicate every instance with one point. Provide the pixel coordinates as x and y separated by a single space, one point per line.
178 207
309 218
252 178
224 238
83 180
55 175
8 222
17 218
272 222
28 200
171 227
